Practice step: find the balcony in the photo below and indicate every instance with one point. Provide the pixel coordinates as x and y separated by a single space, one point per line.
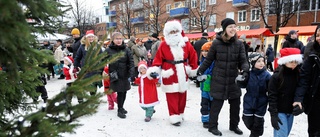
179 12
112 13
137 20
111 24
136 7
239 3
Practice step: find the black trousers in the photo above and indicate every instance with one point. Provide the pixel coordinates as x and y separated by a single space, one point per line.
269 66
69 96
121 98
43 91
314 120
216 108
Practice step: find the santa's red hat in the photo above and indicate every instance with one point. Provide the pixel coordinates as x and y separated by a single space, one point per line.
69 59
174 25
142 64
290 54
89 33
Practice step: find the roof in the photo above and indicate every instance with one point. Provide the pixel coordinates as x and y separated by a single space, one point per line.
302 30
255 32
198 35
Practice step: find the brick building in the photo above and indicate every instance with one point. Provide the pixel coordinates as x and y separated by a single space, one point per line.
141 17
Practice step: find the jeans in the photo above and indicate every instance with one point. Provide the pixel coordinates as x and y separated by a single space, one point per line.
285 128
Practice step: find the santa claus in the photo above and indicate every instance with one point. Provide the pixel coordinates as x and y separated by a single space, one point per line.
175 60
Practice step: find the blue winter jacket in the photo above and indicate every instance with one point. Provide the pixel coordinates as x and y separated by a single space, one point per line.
255 100
207 72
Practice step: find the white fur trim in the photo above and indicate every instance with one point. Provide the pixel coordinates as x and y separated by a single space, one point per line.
152 69
167 73
286 59
171 25
89 35
186 39
149 105
175 118
69 60
175 87
142 65
190 72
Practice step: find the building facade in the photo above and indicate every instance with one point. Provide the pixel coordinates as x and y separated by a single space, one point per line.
141 17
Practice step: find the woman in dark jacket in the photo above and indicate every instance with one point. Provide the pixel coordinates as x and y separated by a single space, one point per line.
308 88
229 56
123 68
79 61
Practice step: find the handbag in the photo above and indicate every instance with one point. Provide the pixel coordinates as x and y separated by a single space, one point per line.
113 76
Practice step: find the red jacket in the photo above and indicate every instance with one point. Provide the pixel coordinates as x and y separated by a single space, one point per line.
70 73
106 81
148 95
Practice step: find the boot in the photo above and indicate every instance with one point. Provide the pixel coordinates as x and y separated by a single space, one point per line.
122 110
215 131
236 130
121 115
110 102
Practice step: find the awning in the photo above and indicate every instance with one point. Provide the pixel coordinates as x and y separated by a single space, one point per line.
255 32
302 30
198 35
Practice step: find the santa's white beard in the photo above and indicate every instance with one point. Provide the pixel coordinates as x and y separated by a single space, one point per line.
174 39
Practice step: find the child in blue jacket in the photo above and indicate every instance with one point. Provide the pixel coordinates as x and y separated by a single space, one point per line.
255 100
206 99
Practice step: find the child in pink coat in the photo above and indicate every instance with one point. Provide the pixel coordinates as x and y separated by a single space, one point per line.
148 96
112 96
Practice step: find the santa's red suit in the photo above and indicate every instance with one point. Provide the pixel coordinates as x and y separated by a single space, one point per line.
70 73
176 62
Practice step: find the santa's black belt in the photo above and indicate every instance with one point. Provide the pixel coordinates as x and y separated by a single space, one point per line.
175 62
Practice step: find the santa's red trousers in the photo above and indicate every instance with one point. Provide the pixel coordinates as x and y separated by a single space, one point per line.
176 102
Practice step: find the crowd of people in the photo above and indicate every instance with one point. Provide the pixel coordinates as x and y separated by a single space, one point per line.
219 67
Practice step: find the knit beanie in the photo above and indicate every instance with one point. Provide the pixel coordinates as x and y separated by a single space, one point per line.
253 58
206 46
75 31
226 22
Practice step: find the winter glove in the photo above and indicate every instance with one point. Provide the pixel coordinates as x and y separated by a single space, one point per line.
240 81
275 121
154 75
245 76
201 78
132 79
297 110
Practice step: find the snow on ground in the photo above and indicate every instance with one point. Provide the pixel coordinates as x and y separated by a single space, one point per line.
105 123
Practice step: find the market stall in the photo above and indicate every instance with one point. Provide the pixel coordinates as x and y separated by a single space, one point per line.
261 36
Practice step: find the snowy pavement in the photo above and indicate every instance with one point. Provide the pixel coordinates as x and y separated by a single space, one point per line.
105 123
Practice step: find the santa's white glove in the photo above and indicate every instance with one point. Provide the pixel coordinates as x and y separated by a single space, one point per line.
201 78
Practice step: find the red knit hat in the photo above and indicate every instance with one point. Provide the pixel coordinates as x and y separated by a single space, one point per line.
69 59
142 64
290 54
89 33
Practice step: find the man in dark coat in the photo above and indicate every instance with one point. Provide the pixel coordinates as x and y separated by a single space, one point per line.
307 92
77 41
228 53
198 44
292 40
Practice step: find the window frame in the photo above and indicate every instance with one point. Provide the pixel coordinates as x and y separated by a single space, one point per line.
257 10
245 18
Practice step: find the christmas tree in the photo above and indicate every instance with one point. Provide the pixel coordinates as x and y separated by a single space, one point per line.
20 70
